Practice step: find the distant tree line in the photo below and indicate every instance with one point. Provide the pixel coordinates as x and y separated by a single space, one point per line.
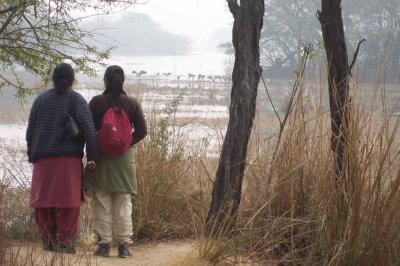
146 37
293 23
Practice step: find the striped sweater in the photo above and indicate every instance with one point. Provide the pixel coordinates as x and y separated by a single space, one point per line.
46 135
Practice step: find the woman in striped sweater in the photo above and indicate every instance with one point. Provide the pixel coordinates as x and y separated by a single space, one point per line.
56 190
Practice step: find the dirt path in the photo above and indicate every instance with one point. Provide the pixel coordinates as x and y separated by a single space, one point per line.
179 252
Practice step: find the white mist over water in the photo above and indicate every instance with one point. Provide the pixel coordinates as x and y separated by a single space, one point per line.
177 65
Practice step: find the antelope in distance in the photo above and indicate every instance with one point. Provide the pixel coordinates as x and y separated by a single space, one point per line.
191 76
140 73
200 77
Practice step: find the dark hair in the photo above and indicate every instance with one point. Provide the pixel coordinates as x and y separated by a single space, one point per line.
114 80
63 77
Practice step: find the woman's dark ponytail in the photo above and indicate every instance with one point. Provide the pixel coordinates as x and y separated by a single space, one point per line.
63 77
114 80
117 83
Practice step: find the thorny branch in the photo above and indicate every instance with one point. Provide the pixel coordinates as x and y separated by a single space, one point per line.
355 55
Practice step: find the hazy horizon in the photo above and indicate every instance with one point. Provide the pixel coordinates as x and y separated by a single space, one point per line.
191 26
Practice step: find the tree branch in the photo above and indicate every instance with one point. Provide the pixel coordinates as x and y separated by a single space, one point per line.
32 28
318 15
299 76
233 7
12 8
270 99
7 81
8 20
355 55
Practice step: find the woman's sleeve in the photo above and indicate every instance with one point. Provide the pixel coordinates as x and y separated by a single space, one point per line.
83 117
92 106
139 124
31 128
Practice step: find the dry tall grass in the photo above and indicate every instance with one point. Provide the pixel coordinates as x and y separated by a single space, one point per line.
292 211
172 180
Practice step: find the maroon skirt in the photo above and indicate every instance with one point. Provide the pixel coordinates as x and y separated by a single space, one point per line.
57 182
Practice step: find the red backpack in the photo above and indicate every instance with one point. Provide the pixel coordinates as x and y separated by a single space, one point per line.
115 135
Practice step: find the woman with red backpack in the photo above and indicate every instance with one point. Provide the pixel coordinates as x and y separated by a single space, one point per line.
120 123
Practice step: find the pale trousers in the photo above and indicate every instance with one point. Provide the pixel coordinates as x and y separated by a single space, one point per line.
112 213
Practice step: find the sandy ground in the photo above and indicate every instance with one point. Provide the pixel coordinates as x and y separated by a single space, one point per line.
179 252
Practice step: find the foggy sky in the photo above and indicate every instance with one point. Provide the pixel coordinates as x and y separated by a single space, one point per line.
203 24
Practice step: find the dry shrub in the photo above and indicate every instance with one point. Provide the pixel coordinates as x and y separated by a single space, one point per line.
3 245
17 217
172 180
85 237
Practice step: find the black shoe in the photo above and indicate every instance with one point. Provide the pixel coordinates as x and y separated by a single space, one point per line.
123 252
103 250
47 245
66 248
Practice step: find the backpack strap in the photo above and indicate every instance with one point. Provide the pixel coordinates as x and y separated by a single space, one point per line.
124 105
71 103
108 98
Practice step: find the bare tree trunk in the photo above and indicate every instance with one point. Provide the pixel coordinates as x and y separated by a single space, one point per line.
248 22
331 21
330 18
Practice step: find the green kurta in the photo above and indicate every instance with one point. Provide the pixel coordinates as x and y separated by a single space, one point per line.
113 173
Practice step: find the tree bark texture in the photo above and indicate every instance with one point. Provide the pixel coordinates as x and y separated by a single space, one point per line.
226 195
331 21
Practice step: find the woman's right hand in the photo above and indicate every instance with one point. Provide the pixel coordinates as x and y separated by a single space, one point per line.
91 164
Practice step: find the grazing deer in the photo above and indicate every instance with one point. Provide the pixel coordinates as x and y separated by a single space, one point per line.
226 78
217 77
138 74
211 77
